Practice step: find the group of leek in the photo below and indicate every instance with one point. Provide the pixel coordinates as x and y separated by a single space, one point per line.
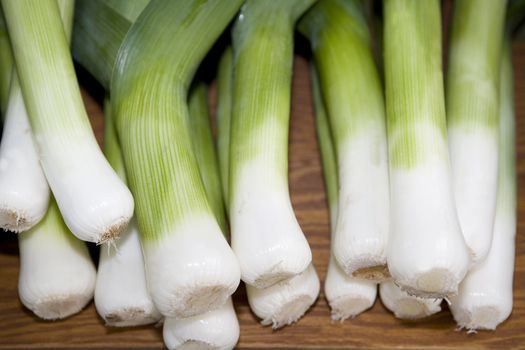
420 177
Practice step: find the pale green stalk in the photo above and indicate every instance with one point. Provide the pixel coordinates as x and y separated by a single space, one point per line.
100 27
95 204
204 150
352 90
266 236
426 255
472 115
224 111
189 265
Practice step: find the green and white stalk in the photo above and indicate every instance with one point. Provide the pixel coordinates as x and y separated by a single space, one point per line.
224 112
121 294
353 97
94 202
405 306
472 115
57 275
347 296
427 255
266 236
190 267
204 150
217 329
6 66
99 29
485 295
285 302
24 193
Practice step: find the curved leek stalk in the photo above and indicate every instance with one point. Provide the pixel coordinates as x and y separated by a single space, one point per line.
472 112
485 295
266 236
57 276
353 95
202 139
405 306
216 329
285 302
224 110
348 296
427 255
95 204
24 193
190 267
121 294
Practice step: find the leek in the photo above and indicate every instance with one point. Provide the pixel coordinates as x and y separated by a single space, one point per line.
204 150
121 294
485 295
6 66
426 254
224 106
405 306
57 276
353 95
190 267
24 193
95 204
216 329
472 112
266 236
347 296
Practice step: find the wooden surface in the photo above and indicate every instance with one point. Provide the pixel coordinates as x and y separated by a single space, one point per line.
375 329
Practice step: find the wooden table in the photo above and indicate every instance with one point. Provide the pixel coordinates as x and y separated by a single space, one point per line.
375 329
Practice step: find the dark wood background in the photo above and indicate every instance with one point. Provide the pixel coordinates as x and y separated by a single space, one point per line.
375 329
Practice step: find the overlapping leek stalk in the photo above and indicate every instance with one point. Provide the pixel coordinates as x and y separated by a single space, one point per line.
472 115
485 295
190 267
427 255
353 96
347 296
266 236
6 66
121 294
95 204
405 306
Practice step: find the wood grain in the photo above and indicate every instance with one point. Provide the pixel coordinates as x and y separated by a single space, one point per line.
375 329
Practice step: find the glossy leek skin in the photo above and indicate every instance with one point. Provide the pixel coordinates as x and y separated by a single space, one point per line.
427 255
94 202
190 267
482 305
353 96
472 116
266 236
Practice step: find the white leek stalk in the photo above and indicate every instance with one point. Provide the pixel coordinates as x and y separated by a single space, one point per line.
216 329
24 193
472 115
285 302
266 236
121 294
353 97
57 276
485 295
94 202
427 255
405 306
348 296
190 268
